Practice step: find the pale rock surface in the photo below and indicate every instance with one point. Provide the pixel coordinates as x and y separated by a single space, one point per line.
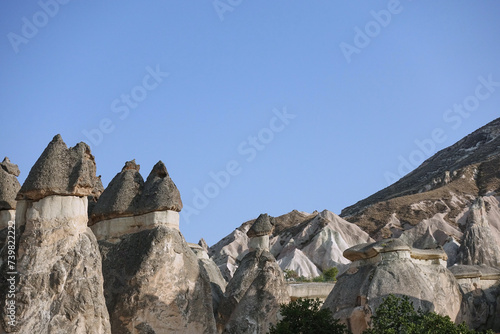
296 260
320 237
480 290
59 270
478 243
217 282
392 267
253 296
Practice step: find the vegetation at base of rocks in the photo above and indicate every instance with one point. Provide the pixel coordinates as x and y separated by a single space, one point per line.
397 315
306 316
329 275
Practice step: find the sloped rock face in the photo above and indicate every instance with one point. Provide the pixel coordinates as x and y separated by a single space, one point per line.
444 186
59 287
320 237
153 281
217 282
480 296
253 297
392 267
478 244
160 192
121 197
153 284
61 171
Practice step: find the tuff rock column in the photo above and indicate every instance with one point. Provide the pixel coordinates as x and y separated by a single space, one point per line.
253 296
153 281
59 288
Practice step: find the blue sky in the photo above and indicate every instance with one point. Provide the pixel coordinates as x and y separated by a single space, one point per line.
254 106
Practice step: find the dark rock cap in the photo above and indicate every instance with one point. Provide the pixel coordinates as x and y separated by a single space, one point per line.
9 167
203 244
121 197
61 171
160 192
9 185
262 226
372 249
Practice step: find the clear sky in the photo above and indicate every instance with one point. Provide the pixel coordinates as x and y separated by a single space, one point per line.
254 106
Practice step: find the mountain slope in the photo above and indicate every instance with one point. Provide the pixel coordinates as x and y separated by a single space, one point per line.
447 183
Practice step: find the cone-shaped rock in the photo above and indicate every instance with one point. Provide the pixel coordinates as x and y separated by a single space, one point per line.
121 197
478 244
253 296
9 185
262 226
58 277
160 192
61 171
427 241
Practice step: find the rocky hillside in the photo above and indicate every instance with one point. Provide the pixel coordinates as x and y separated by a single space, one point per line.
442 188
306 243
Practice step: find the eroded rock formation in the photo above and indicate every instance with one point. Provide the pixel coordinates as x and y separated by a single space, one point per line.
253 296
392 267
59 288
154 282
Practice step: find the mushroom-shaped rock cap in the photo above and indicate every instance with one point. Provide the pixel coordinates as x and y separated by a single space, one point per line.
9 185
262 226
372 249
121 197
61 171
160 192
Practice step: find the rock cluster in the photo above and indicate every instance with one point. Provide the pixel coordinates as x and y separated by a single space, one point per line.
392 267
9 186
305 243
153 281
59 278
254 294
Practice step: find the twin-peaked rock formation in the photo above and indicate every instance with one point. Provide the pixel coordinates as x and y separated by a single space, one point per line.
152 279
59 282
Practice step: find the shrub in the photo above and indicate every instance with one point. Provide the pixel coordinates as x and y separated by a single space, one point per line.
397 315
305 316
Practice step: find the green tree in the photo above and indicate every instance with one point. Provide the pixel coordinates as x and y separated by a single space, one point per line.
398 316
305 316
330 274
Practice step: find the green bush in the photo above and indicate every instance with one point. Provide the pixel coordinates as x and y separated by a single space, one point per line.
329 275
305 316
397 315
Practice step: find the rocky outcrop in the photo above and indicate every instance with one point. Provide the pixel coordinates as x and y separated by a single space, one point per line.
121 197
153 281
154 284
61 171
9 186
59 279
217 282
478 246
253 296
306 243
480 296
392 267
